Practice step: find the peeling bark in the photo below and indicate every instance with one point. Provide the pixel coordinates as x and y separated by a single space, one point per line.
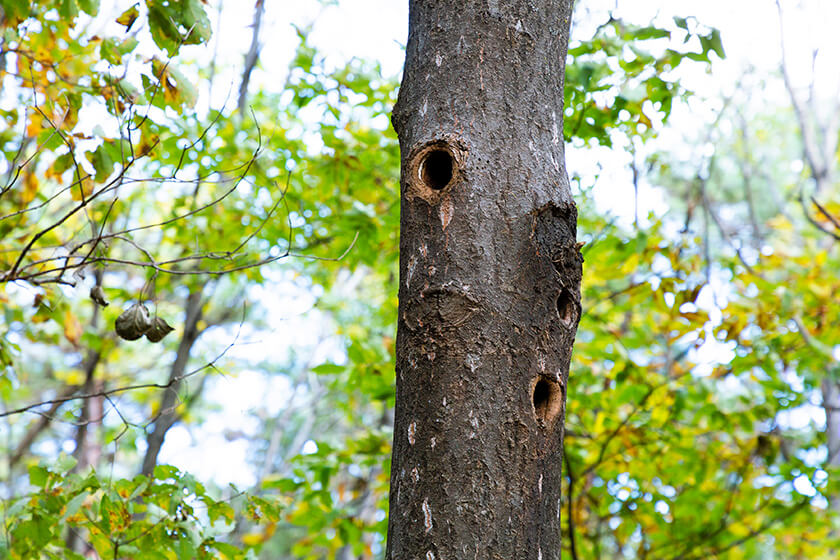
489 282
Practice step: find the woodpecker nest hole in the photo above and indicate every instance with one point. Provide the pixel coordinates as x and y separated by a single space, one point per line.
436 169
433 169
566 307
547 398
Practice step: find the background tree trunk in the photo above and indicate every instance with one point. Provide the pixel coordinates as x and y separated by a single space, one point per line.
819 133
169 400
489 282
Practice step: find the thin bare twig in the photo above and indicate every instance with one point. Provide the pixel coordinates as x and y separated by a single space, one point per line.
118 390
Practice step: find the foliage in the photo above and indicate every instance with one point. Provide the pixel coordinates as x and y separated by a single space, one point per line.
669 457
624 78
134 203
168 516
679 441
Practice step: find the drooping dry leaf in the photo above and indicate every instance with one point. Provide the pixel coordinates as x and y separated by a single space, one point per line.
133 322
160 328
97 294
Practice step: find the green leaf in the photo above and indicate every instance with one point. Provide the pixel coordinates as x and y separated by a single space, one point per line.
716 43
194 18
108 50
113 49
165 472
328 369
74 505
187 94
128 17
38 476
65 463
15 11
283 484
163 27
228 550
36 531
167 18
102 162
220 510
650 32
68 9
90 7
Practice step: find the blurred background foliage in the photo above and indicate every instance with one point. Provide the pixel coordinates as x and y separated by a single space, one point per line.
701 416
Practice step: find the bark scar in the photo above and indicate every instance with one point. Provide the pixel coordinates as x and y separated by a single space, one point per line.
446 211
442 307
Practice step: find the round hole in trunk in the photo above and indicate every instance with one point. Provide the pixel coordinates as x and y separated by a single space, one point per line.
436 169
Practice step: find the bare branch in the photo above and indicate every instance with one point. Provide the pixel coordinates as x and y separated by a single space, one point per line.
252 56
124 389
809 138
42 424
811 219
826 213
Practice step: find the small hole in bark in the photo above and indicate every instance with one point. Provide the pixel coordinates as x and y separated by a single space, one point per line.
541 395
436 169
547 399
566 307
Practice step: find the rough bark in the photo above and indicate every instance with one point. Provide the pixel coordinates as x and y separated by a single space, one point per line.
489 282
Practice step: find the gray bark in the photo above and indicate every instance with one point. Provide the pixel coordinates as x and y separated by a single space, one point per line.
489 282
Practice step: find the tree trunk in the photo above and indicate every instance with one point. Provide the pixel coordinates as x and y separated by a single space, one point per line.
819 135
489 282
168 413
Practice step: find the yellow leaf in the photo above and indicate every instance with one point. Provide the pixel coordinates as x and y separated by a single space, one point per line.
821 291
598 428
253 539
52 174
146 146
72 327
660 414
30 188
34 127
820 258
779 223
739 529
128 17
71 376
86 185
